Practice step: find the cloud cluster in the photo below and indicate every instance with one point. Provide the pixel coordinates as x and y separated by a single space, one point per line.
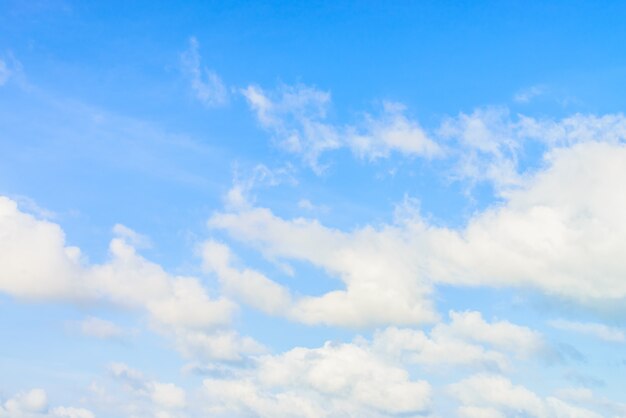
37 265
34 404
561 233
485 395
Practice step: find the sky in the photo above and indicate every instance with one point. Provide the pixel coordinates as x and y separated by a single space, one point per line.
312 209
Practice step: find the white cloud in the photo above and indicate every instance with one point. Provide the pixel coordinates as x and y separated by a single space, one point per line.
502 335
600 331
392 131
246 285
221 345
70 412
467 340
297 117
206 84
34 404
156 396
561 232
528 94
490 394
134 238
100 328
168 395
334 380
436 353
36 264
487 144
383 284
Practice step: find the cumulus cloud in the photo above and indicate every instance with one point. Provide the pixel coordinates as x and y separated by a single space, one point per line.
333 380
206 84
153 395
34 404
561 232
496 396
35 264
382 281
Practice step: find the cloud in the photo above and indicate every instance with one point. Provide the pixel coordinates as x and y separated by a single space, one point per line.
382 281
132 237
297 117
333 380
100 328
488 144
493 395
34 404
35 264
206 84
159 394
600 331
246 285
530 93
391 131
560 232
503 335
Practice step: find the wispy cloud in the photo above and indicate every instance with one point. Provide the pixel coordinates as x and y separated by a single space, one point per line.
298 118
528 94
206 85
601 331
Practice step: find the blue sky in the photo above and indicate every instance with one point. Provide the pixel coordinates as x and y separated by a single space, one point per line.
239 209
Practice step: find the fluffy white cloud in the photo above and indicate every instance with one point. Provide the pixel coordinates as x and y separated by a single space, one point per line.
334 380
248 286
167 395
34 404
206 84
220 345
562 232
383 284
467 340
36 264
491 395
502 335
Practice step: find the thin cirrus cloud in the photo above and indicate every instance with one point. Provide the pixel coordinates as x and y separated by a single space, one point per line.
34 403
206 85
601 331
